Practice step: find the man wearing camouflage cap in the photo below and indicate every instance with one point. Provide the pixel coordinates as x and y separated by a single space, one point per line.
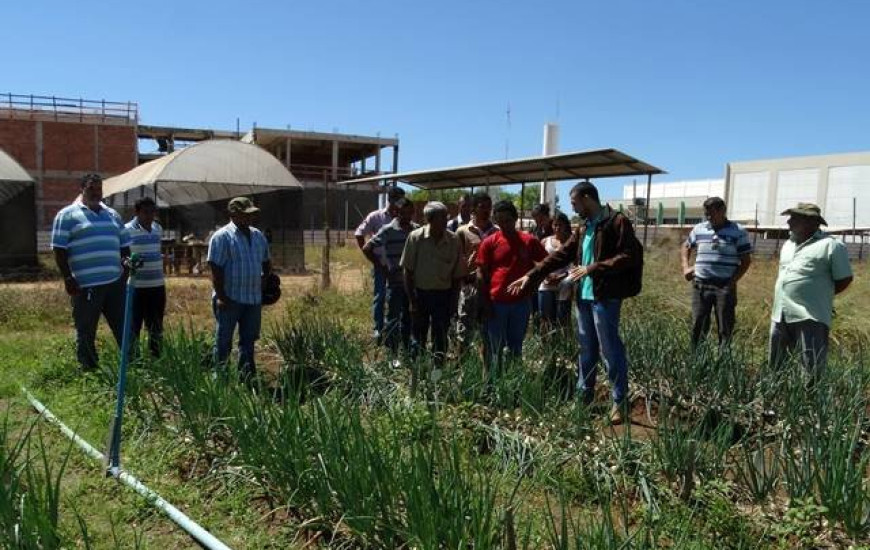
813 267
238 256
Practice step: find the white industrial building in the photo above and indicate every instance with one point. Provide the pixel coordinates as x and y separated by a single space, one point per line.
668 199
757 191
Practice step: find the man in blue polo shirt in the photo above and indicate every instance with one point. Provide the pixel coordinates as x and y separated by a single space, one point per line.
391 239
149 301
238 256
723 255
90 243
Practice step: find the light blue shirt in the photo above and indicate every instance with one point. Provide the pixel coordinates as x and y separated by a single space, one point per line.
718 250
93 241
146 244
588 256
242 260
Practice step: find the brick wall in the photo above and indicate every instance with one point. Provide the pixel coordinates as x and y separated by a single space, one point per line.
58 153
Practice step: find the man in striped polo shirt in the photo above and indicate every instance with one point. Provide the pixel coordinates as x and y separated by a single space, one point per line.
391 239
238 256
149 301
90 244
723 254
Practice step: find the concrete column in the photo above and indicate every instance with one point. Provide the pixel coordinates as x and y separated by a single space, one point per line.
378 160
822 188
40 174
551 147
769 216
334 161
395 158
287 153
96 148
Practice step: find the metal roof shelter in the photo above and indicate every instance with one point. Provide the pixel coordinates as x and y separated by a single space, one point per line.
17 214
600 163
206 171
13 177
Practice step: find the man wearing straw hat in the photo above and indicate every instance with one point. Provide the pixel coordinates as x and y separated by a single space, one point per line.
813 267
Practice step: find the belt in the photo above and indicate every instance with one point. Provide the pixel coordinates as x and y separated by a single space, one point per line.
714 282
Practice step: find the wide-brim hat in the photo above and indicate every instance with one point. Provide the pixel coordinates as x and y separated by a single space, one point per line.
242 205
807 209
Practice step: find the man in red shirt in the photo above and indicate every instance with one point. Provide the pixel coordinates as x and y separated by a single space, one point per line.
502 258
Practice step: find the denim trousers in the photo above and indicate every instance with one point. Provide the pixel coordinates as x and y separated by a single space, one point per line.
87 307
553 311
598 333
397 328
247 317
379 277
506 327
433 312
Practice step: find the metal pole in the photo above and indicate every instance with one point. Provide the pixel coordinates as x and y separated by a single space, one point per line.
324 264
522 203
646 207
114 454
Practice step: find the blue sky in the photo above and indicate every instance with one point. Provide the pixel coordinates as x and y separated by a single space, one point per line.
684 85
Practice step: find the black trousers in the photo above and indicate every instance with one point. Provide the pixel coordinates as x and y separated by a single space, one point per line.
149 306
705 299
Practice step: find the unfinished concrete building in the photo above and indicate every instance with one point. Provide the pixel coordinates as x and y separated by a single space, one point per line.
58 140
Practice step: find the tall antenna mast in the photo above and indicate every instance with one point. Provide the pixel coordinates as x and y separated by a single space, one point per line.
507 138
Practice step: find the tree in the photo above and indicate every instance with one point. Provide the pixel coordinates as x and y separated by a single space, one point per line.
447 196
531 197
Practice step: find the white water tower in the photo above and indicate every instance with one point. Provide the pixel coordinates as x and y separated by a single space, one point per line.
551 147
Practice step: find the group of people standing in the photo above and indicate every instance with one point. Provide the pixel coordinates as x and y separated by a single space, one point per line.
477 272
495 277
92 249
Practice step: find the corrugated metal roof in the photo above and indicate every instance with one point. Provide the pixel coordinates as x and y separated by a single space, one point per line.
207 171
602 163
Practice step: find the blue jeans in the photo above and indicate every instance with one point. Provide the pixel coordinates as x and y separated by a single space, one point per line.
507 327
379 298
553 310
598 332
398 323
247 316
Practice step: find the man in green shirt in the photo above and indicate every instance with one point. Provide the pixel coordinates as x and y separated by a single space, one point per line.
813 267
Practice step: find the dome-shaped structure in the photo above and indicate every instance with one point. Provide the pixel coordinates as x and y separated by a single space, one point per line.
17 215
211 170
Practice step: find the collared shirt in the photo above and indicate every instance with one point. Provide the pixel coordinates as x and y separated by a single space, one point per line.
370 226
805 285
392 239
147 245
470 237
507 258
241 259
456 223
93 241
718 250
588 255
435 264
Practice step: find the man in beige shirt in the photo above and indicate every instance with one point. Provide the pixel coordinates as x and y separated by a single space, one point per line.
470 235
432 267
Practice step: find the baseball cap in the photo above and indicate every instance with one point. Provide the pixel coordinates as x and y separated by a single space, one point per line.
242 205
